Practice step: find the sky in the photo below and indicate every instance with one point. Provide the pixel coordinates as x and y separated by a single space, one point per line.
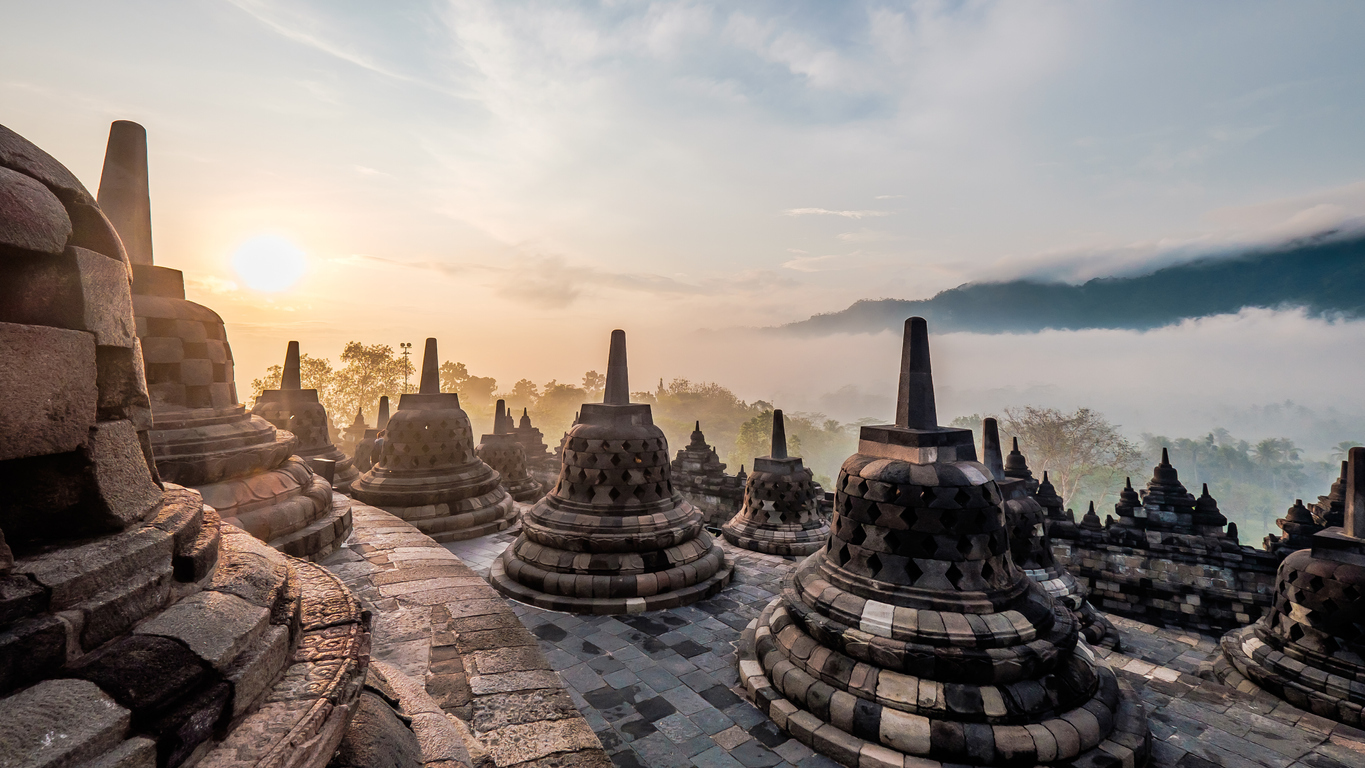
518 178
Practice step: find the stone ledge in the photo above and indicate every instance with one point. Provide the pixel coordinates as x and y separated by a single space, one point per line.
436 621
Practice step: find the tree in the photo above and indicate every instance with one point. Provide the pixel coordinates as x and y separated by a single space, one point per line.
593 384
523 394
314 373
371 371
1341 450
1071 447
475 392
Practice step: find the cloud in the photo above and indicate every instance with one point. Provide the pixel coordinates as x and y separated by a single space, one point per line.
825 212
867 236
814 263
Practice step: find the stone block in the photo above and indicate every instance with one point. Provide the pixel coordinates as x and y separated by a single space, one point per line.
91 229
196 372
90 722
162 350
137 752
49 385
6 563
122 385
189 723
214 625
126 491
31 217
377 738
255 669
30 650
144 673
107 298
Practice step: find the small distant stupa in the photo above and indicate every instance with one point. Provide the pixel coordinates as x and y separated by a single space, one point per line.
780 515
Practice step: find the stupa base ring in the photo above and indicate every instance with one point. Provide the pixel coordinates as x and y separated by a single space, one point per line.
765 542
1247 663
607 606
1127 744
442 524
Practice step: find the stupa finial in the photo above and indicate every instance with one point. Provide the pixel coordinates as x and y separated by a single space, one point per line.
124 196
292 376
431 370
990 448
382 420
617 391
779 436
1165 458
500 418
915 396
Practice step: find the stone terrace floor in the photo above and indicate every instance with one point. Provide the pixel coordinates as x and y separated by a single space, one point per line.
658 688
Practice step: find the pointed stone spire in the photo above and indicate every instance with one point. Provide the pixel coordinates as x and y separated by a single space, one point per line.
1165 459
500 419
431 370
617 391
382 421
915 394
779 436
292 377
359 417
1354 524
123 194
1091 521
525 420
990 448
1129 499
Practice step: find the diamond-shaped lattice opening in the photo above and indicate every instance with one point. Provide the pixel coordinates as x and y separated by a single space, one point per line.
874 564
913 571
893 540
963 497
1315 583
909 516
614 494
1329 605
860 488
616 459
927 496
999 543
987 571
859 535
925 546
948 519
1296 632
953 574
964 546
842 555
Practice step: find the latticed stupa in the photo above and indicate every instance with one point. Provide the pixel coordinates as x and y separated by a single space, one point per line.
298 410
613 535
201 436
366 449
780 515
135 628
1310 648
699 475
502 452
1030 543
426 471
913 639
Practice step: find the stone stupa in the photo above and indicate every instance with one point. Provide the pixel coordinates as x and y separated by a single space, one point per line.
201 436
293 408
502 452
1310 648
699 475
613 536
426 471
353 434
780 514
912 638
366 451
135 628
1031 544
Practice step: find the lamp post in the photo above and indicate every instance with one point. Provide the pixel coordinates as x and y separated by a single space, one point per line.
407 366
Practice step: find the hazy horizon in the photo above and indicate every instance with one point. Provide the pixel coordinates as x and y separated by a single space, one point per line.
517 179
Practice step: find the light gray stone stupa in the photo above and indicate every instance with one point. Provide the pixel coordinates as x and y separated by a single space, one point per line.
427 471
201 436
780 515
912 638
613 536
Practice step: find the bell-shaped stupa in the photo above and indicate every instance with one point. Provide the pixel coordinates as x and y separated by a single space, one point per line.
913 638
366 451
1031 544
201 436
1309 649
780 514
502 452
135 628
426 471
353 434
613 536
298 410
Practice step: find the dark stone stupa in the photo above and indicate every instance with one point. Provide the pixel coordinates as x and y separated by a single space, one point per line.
914 636
427 471
613 536
501 451
780 515
293 408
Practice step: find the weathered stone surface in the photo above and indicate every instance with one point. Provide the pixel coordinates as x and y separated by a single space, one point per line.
143 673
59 723
31 217
215 625
49 385
123 386
377 738
125 486
137 752
90 229
30 650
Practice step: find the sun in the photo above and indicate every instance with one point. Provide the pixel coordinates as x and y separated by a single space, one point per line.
269 263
